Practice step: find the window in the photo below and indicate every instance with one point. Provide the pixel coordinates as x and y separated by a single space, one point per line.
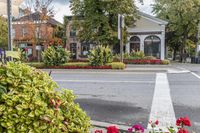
152 46
73 32
37 32
85 47
134 44
24 32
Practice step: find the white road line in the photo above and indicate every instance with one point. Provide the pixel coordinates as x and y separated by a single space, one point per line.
195 75
162 107
103 81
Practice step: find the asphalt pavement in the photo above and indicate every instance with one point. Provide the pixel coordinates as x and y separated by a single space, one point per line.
125 97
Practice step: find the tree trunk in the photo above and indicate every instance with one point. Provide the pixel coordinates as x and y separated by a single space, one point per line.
174 54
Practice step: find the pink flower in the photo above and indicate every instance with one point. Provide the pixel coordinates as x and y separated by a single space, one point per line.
98 131
138 127
157 122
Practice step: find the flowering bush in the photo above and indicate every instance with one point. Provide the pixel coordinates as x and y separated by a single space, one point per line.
112 129
182 122
137 128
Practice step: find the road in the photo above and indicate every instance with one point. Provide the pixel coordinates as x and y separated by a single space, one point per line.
130 97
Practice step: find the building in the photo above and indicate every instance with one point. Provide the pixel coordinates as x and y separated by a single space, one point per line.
34 32
15 7
147 35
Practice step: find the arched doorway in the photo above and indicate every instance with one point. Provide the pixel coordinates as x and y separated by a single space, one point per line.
152 46
134 44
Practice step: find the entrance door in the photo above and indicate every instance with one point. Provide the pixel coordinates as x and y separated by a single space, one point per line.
73 50
134 44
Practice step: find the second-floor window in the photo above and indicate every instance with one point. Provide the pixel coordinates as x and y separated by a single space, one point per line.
73 32
24 32
37 32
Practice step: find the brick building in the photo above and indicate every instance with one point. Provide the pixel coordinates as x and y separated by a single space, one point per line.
34 32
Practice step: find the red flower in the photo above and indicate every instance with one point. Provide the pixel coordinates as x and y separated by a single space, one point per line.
157 122
182 130
112 129
183 122
98 131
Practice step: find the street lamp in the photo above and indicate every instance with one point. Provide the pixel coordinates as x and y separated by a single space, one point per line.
9 12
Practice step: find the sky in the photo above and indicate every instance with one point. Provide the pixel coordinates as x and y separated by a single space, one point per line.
61 8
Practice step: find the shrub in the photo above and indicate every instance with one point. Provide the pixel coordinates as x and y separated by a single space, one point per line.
137 55
76 64
149 58
55 56
117 65
100 56
28 103
165 62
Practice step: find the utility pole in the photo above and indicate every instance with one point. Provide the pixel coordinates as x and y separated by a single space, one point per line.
9 12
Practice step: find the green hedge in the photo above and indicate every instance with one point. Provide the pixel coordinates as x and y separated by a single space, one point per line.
114 65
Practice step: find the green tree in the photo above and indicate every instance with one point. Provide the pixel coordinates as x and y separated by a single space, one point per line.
3 32
183 17
101 18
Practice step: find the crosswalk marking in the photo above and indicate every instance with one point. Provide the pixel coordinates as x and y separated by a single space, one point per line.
162 107
195 75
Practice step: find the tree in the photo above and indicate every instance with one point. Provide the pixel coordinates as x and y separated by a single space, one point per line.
100 19
183 17
45 12
3 33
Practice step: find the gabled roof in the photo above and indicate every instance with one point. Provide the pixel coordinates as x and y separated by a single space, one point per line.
36 16
152 18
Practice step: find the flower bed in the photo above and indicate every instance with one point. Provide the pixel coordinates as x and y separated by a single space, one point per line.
78 67
181 127
145 61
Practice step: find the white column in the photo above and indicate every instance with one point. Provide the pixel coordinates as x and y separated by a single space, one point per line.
162 57
142 37
128 45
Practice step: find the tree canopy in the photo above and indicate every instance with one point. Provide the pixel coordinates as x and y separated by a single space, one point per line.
101 18
183 17
3 32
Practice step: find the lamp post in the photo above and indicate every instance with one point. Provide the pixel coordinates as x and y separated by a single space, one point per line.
9 12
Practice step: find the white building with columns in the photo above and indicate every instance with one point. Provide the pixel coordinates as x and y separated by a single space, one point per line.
147 35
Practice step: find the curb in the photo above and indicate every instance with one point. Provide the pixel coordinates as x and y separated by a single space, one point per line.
104 125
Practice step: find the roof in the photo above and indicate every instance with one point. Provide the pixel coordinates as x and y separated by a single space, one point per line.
36 16
152 18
